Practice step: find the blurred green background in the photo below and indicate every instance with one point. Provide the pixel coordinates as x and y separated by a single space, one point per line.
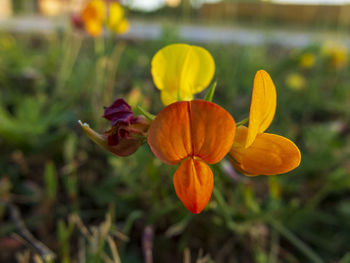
82 204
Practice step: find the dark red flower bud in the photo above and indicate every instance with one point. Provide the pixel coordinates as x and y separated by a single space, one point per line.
127 133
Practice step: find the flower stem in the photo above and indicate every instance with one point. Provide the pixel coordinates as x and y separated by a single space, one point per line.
242 122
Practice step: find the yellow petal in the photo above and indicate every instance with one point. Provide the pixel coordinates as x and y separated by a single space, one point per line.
116 13
262 107
94 28
193 182
93 16
182 70
169 97
116 20
94 10
269 154
123 27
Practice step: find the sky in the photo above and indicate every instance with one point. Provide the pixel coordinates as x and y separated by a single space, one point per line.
150 5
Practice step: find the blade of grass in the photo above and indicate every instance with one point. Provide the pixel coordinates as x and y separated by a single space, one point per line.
297 242
211 91
148 115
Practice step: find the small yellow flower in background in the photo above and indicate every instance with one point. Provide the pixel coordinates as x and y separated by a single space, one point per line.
255 152
179 71
7 41
116 20
98 13
295 81
135 98
336 53
307 60
93 16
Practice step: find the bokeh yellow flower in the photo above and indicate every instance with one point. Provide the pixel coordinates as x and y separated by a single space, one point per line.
179 71
307 60
93 16
337 54
295 81
116 20
98 13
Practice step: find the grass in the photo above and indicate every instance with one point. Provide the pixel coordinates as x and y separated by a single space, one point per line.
86 205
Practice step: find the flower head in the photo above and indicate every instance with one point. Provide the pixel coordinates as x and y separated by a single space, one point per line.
193 134
116 20
93 16
127 133
336 54
307 60
295 81
98 13
255 152
179 71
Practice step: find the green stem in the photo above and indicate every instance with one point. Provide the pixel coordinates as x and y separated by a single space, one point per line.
318 197
148 115
99 46
210 94
242 122
112 67
298 243
71 46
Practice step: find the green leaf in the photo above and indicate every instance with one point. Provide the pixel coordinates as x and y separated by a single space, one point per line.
51 181
242 122
148 115
210 94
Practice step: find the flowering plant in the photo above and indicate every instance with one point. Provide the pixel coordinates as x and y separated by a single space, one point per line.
97 14
197 133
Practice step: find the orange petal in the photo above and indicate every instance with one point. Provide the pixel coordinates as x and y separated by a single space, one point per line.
93 16
192 128
94 28
169 135
193 183
212 131
269 154
262 107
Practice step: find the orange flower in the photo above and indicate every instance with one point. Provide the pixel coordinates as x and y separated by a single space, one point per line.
193 133
93 16
255 152
98 13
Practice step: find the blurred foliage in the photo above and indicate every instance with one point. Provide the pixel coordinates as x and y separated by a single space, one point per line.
53 173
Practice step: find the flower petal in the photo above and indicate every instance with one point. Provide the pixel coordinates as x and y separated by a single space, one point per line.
125 147
193 183
262 107
119 112
93 16
269 154
192 128
123 27
116 14
212 131
168 96
94 28
182 70
169 135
